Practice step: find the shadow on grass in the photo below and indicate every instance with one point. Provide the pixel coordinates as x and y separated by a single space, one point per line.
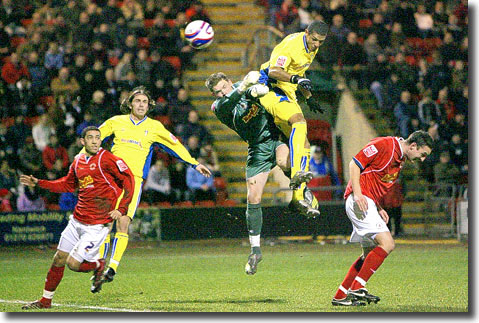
222 301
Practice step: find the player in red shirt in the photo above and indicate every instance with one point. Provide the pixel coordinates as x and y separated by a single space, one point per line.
373 172
100 178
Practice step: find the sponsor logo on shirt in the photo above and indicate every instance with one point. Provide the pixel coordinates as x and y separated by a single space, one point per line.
121 165
85 181
92 166
131 141
252 112
389 178
370 151
281 61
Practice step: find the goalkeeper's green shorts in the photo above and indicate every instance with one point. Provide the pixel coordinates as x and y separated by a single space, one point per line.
261 157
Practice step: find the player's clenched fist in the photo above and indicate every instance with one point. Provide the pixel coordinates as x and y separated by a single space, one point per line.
259 90
250 79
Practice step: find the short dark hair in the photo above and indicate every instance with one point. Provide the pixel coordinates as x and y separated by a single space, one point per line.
319 27
89 128
421 138
125 106
214 79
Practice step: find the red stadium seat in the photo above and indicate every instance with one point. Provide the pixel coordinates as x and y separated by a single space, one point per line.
206 203
17 41
174 61
148 23
7 122
183 204
365 23
113 60
411 60
319 130
53 207
165 120
318 182
220 183
143 42
163 204
143 205
30 121
47 100
26 22
227 203
170 22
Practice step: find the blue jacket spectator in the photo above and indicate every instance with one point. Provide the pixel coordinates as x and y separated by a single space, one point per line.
201 187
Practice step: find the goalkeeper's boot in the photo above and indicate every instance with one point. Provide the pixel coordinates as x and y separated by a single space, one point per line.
362 294
347 301
97 277
303 207
109 275
252 264
38 305
299 178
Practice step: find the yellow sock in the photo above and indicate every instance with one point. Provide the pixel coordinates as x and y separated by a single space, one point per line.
104 247
118 248
299 193
297 152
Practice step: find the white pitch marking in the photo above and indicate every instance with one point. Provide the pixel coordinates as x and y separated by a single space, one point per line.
79 306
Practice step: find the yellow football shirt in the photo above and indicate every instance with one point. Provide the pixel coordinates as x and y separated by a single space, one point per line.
293 56
134 142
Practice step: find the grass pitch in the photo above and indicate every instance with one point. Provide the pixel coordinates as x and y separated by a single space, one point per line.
208 276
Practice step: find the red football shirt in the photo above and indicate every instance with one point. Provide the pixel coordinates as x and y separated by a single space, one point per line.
100 179
380 162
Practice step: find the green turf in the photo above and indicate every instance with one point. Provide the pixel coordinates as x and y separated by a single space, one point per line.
209 277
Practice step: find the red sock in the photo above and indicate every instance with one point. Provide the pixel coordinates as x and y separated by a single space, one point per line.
372 262
87 266
54 277
348 280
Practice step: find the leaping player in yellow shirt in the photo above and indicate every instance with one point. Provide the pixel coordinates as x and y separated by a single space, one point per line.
135 136
284 74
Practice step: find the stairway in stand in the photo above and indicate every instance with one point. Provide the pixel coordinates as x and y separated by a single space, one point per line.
234 23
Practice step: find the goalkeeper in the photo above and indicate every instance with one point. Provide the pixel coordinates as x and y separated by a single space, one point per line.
284 74
237 106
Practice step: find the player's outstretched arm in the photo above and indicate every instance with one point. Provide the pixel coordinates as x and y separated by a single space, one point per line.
203 170
28 180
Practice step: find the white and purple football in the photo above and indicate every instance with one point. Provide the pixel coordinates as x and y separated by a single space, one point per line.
199 34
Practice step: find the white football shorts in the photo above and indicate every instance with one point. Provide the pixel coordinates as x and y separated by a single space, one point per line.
82 241
365 230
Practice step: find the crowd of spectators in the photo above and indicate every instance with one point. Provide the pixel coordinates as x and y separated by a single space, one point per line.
67 64
411 55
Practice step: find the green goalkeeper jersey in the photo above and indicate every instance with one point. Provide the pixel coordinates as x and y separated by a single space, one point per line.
246 116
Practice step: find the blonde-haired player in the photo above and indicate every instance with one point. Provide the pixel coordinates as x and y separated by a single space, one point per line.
284 74
134 138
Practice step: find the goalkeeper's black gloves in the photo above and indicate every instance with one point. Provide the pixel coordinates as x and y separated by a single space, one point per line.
301 81
314 105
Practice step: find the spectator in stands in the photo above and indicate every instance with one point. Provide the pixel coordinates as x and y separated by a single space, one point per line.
30 200
459 78
5 143
193 127
352 58
424 22
82 32
457 125
438 75
30 158
304 14
18 133
5 203
9 178
120 32
161 68
98 52
133 12
74 148
38 74
448 49
124 66
201 187
13 70
4 42
64 84
41 131
403 111
53 58
178 181
439 16
169 11
161 35
462 102
446 104
372 48
182 49
397 39
112 11
321 166
55 157
193 146
151 10
404 14
406 74
111 87
446 174
197 11
180 107
428 111
338 29
459 153
130 45
158 186
105 35
211 158
378 73
142 67
382 32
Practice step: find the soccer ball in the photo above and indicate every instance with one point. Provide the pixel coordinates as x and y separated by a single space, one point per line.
199 34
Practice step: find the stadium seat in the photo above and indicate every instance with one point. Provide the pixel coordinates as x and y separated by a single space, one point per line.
207 203
183 204
143 42
365 23
53 207
411 60
174 61
170 22
113 60
30 121
227 203
220 183
17 41
162 204
319 130
47 100
143 205
26 22
318 182
165 120
7 122
148 23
